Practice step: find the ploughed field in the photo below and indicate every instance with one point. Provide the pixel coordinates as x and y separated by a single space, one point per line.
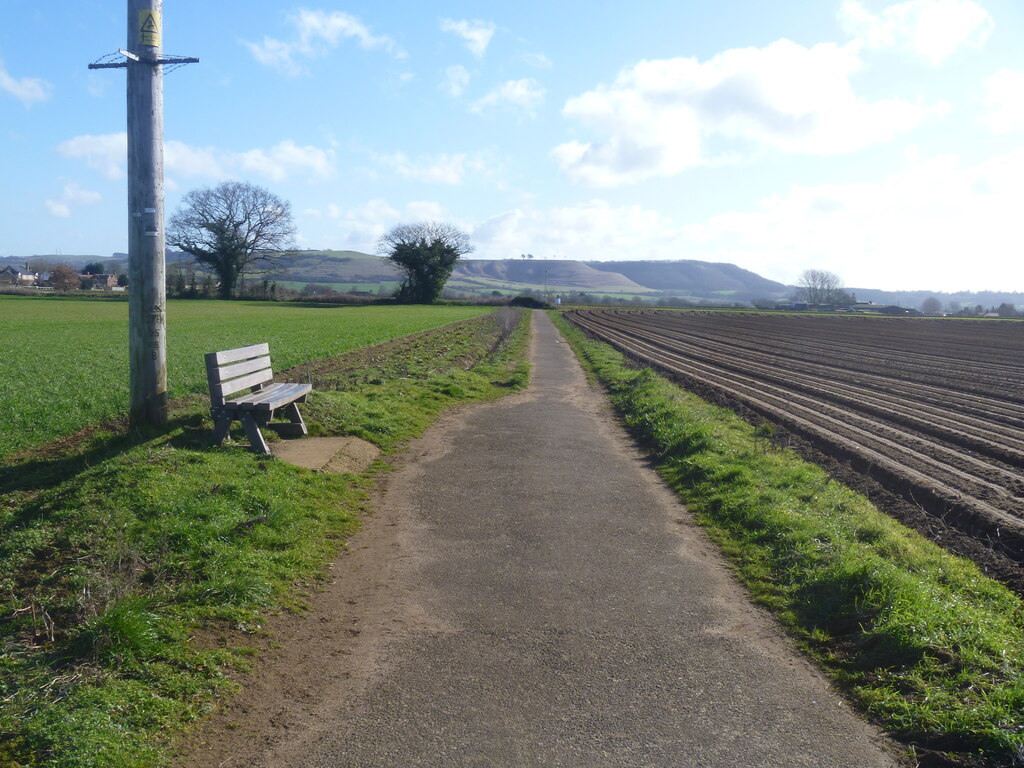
931 409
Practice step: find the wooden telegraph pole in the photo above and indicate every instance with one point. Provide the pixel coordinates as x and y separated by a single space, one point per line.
147 313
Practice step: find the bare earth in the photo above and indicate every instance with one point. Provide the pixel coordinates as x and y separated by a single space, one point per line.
529 594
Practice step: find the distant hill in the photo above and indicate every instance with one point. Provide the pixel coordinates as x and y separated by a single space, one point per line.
688 279
337 267
75 260
698 279
557 275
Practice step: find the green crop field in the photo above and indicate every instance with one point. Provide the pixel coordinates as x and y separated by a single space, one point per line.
64 362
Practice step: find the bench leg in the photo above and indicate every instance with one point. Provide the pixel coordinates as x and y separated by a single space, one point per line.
221 427
252 431
295 427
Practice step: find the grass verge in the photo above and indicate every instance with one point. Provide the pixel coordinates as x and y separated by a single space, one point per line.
921 640
116 556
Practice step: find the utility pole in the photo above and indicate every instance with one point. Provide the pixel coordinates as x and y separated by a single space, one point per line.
147 293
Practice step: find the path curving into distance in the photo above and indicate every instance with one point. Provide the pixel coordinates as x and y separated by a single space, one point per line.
570 614
528 593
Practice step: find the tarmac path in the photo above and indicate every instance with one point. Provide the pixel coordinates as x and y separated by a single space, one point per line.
545 601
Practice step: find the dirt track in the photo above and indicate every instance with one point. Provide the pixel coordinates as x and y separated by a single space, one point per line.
529 594
930 409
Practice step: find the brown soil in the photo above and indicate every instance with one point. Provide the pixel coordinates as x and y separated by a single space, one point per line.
337 455
922 416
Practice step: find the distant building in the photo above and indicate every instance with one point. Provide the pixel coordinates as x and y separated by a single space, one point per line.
101 282
898 311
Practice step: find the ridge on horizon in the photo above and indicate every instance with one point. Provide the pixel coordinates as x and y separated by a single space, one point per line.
689 278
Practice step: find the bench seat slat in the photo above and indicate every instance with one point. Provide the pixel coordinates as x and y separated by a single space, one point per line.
238 369
226 388
271 398
242 353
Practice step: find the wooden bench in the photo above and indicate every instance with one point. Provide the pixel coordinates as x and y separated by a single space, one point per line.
249 368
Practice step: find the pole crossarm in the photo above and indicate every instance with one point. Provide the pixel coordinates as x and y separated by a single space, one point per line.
157 62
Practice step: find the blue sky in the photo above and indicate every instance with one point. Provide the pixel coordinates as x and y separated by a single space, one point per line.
880 140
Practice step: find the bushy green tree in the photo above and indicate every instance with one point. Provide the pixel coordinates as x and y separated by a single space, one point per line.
427 252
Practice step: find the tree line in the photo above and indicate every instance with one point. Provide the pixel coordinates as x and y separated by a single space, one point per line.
237 228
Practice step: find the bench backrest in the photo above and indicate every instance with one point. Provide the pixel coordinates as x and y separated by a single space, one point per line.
233 370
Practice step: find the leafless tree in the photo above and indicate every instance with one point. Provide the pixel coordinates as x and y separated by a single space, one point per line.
818 286
64 277
232 228
931 306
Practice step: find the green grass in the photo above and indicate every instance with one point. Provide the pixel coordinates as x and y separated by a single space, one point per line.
932 649
65 361
113 556
139 551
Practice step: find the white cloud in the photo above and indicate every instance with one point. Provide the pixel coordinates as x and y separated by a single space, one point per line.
425 210
936 224
1004 97
182 159
285 159
107 154
661 117
537 60
931 29
443 169
275 53
58 209
27 90
526 95
592 230
477 34
361 226
72 194
456 80
316 33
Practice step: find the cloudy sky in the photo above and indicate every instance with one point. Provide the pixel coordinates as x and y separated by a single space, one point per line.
880 140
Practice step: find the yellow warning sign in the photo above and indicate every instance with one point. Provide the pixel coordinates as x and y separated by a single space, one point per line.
149 28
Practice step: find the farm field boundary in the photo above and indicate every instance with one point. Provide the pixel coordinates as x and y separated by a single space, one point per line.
920 639
65 360
930 410
135 570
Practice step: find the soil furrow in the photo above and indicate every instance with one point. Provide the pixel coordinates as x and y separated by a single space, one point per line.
916 438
